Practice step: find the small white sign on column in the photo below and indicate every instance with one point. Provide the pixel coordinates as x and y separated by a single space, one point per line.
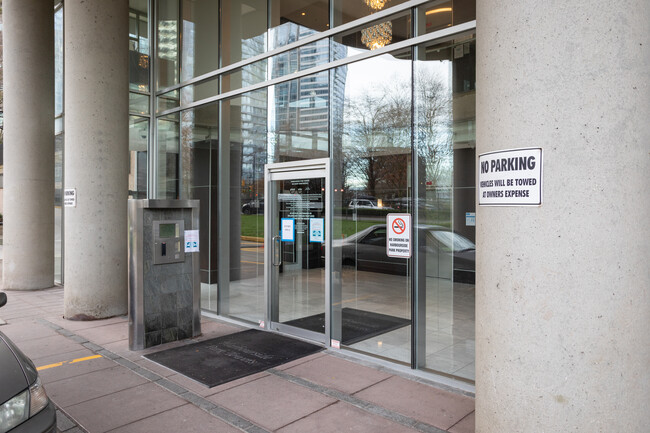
70 197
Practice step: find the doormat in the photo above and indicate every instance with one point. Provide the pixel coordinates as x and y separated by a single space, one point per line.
223 359
358 325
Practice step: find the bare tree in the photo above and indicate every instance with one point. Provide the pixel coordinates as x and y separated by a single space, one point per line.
433 125
380 125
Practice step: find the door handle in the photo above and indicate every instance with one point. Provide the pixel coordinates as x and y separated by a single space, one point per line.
277 256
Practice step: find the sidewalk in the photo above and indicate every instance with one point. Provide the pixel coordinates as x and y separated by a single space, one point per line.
100 386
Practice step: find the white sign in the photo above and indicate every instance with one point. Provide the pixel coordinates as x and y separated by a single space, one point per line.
288 225
510 178
70 197
191 241
316 230
399 235
470 218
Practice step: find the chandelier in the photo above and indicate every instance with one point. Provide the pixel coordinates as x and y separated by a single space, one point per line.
377 36
376 4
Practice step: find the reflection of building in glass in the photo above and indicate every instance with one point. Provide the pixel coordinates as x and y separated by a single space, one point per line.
253 123
300 112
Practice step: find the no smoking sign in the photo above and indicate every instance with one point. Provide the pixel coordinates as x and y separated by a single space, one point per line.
399 226
398 243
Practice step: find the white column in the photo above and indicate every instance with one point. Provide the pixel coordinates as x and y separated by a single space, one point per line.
28 60
96 157
563 301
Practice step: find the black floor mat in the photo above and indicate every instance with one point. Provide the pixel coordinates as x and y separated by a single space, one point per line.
358 325
220 360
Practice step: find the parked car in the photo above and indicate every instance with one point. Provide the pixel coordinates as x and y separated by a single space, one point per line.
24 405
253 207
445 252
362 203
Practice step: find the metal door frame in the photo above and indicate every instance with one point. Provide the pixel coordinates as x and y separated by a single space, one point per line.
311 168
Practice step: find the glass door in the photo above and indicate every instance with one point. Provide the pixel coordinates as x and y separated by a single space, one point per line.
297 264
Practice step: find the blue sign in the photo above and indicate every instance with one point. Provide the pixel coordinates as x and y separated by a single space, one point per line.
287 230
317 230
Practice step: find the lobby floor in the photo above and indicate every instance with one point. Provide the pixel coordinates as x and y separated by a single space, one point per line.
450 322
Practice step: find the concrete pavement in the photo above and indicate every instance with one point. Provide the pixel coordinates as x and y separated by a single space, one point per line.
99 385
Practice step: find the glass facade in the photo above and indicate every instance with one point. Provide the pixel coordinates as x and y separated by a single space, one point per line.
58 144
239 85
139 96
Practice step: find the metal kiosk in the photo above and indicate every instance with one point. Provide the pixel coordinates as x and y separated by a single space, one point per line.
164 285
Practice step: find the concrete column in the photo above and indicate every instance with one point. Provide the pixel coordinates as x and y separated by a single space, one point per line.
563 304
28 60
96 157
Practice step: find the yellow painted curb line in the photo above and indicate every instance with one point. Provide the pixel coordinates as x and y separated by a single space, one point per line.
59 364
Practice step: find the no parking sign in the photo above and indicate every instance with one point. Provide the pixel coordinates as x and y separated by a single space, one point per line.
398 242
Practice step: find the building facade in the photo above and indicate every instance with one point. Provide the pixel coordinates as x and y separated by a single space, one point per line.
306 129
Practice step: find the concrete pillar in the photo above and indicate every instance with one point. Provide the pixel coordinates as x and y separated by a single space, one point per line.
28 60
96 157
563 305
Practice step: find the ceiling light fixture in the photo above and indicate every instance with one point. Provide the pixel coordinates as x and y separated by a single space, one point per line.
437 11
377 36
376 4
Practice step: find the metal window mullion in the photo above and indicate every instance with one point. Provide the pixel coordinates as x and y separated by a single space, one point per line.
299 43
439 35
152 146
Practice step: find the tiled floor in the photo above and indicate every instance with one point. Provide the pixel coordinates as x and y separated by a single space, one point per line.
101 386
450 323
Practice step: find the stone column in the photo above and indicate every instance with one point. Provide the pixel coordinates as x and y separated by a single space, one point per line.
563 303
28 60
96 157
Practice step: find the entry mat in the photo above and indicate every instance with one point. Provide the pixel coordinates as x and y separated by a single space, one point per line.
223 359
358 325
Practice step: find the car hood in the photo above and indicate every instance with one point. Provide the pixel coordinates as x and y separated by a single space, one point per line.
17 372
465 259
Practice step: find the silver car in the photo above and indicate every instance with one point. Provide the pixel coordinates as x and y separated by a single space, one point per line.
24 405
446 253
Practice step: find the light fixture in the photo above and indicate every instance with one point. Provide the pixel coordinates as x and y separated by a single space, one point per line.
143 61
376 4
437 11
377 36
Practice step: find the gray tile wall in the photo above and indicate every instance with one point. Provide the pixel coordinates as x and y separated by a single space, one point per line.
168 291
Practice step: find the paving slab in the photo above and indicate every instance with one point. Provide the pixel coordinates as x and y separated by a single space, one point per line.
205 391
108 333
434 406
342 417
153 367
186 419
299 361
271 402
77 389
123 407
47 346
338 373
72 364
74 325
465 425
24 330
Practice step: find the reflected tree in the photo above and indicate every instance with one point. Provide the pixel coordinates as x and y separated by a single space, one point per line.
433 126
378 132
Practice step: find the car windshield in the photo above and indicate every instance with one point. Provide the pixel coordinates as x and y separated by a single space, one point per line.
452 241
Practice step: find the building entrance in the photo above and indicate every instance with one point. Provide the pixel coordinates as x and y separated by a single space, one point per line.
297 248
